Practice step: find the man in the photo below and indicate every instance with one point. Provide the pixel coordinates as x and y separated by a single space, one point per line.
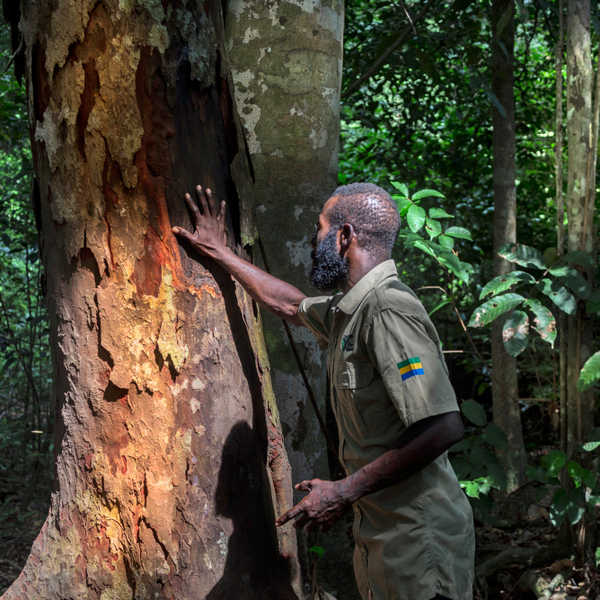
394 405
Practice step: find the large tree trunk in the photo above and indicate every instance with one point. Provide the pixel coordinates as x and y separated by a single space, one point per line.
286 60
171 465
504 367
580 206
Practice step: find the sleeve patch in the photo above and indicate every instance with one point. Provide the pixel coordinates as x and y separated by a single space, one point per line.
411 367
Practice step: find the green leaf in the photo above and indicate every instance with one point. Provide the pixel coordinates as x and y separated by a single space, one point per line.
415 218
403 204
496 437
439 213
493 308
503 21
526 256
573 279
590 373
536 473
522 12
318 550
574 470
558 507
578 257
558 294
576 505
446 242
474 412
460 446
515 333
593 303
544 322
590 446
426 194
459 232
440 305
401 187
505 282
433 228
554 462
452 263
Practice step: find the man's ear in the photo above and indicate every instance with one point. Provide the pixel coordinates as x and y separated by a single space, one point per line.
347 235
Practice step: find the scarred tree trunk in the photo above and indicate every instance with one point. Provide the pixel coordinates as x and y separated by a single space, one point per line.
170 461
504 367
286 59
580 207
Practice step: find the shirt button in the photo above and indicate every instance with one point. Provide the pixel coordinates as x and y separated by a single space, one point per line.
356 509
363 550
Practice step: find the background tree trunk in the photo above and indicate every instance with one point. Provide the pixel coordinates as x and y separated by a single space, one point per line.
580 207
505 391
171 465
286 61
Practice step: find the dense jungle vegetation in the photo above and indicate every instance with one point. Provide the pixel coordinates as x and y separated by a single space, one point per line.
420 125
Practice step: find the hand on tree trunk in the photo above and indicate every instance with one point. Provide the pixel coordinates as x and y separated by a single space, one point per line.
209 236
321 509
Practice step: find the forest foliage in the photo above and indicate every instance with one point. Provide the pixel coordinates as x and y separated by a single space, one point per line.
420 126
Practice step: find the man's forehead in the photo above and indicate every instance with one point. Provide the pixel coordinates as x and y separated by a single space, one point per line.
329 205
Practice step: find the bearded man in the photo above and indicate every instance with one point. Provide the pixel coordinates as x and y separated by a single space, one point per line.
395 408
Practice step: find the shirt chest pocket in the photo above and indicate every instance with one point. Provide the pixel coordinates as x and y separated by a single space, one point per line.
362 401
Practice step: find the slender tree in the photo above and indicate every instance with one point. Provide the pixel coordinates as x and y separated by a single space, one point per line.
170 460
582 148
504 367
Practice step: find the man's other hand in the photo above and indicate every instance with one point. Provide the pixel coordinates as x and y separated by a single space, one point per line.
209 236
323 506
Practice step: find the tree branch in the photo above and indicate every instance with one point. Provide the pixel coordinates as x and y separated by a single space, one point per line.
383 57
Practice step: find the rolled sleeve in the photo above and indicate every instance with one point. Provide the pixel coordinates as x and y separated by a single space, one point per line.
411 367
316 314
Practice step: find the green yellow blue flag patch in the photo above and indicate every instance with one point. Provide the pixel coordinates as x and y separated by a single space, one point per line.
411 367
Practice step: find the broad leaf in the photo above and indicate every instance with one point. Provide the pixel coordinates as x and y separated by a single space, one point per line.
401 187
590 373
433 228
492 309
403 204
452 263
474 412
589 446
558 294
446 242
505 282
440 305
558 507
576 505
439 213
415 218
460 446
554 462
515 333
578 257
544 322
526 256
426 194
496 437
459 232
573 279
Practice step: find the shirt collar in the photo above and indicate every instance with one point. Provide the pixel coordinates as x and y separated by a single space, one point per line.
351 301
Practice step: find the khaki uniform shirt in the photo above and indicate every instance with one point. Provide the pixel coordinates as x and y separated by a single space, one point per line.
414 539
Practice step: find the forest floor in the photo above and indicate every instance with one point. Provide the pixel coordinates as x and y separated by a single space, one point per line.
510 558
513 581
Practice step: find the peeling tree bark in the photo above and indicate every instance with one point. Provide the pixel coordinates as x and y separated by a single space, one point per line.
580 207
505 391
286 61
171 464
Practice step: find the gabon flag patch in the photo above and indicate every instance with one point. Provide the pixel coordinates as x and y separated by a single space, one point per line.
411 367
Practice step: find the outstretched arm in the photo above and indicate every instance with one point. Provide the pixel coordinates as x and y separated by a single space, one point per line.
418 446
209 238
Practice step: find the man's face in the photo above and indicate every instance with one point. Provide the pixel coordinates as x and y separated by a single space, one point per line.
329 269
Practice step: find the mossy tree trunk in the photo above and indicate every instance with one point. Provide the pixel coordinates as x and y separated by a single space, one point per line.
286 60
170 460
